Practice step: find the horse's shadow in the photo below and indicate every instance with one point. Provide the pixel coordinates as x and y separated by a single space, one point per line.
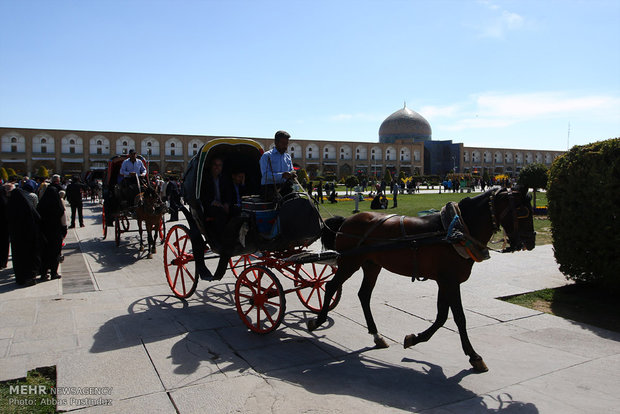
110 257
201 352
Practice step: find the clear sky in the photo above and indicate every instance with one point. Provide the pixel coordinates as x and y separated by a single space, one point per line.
486 73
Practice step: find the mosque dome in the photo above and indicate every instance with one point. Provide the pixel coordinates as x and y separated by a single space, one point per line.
404 124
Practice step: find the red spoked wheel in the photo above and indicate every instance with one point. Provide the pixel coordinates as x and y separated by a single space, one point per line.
260 299
105 225
310 279
177 254
238 264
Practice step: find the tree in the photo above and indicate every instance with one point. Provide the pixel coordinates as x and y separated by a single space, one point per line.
351 182
534 176
388 176
43 172
4 175
302 176
11 172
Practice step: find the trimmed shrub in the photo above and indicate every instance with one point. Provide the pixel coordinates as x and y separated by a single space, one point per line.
583 207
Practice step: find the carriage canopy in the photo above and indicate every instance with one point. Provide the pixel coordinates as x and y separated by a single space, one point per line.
234 152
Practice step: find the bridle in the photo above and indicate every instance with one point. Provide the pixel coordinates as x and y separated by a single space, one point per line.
516 213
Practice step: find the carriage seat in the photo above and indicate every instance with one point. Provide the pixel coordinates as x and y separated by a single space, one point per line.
457 234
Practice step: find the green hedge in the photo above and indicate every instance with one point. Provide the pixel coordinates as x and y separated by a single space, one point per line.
584 209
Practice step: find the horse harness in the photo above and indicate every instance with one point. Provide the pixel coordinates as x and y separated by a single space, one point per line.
455 232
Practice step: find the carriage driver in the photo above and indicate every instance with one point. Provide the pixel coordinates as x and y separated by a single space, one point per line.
276 165
131 169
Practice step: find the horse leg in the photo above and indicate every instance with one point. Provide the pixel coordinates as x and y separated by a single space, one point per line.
475 360
443 305
342 274
155 230
140 233
149 240
371 272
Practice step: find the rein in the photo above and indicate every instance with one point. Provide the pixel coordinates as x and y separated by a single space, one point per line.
432 237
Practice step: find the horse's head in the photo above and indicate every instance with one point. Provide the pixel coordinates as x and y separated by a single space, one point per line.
512 210
151 203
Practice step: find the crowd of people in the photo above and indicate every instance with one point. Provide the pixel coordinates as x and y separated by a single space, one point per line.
33 222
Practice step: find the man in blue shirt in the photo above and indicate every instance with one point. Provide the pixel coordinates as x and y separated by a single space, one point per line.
276 165
132 169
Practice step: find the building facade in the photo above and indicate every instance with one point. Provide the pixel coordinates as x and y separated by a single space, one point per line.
405 144
72 152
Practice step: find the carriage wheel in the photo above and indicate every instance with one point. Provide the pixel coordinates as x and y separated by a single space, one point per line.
117 231
177 254
105 226
260 299
242 263
310 280
162 229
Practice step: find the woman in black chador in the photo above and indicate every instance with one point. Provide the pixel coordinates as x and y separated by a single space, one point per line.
54 230
24 231
4 227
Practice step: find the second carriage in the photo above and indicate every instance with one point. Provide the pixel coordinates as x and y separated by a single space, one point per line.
272 238
114 212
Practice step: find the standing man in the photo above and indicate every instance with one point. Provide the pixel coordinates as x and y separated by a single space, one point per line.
74 197
173 194
276 165
395 187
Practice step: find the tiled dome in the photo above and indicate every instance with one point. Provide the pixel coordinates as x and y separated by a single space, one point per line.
404 124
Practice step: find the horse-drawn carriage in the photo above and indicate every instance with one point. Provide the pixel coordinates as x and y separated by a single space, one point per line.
441 246
115 210
269 237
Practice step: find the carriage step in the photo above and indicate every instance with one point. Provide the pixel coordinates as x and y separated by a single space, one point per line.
327 257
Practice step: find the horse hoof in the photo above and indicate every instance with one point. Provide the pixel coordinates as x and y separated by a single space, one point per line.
149 256
410 340
479 365
312 325
381 343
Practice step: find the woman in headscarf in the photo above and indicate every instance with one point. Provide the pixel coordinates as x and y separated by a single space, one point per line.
24 231
54 229
4 225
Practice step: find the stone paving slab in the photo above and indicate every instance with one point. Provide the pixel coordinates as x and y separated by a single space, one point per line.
163 354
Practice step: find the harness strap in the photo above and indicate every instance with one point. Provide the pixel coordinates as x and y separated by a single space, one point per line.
373 227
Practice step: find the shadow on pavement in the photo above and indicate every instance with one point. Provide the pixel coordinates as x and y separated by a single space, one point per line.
203 351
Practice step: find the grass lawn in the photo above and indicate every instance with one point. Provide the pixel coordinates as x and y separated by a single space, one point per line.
411 204
579 302
11 402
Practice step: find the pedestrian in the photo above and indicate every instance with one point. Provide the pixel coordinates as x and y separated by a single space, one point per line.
4 225
54 229
173 194
395 193
319 189
74 197
24 231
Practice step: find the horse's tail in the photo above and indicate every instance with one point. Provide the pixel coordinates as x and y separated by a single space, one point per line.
328 236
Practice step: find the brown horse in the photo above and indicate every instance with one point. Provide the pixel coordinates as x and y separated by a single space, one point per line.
419 247
150 209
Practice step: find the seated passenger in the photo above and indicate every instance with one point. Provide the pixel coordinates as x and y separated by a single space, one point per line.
332 197
236 190
276 166
214 197
131 176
